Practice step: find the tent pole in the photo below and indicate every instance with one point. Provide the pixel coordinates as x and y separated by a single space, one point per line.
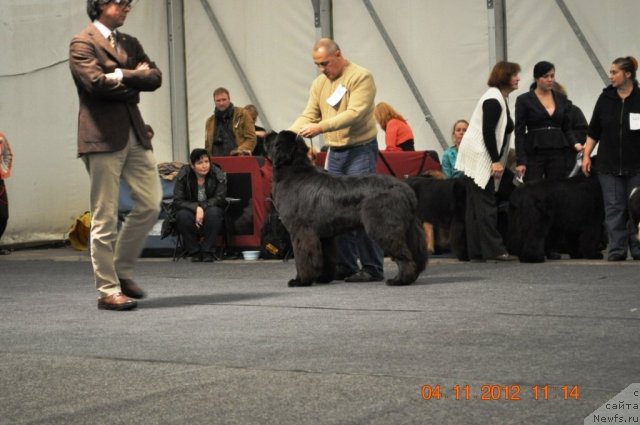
234 60
497 31
583 42
177 81
323 18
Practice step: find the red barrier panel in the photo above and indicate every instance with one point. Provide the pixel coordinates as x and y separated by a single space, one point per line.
399 164
244 181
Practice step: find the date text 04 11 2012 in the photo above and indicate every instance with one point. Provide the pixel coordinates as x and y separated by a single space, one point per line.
494 392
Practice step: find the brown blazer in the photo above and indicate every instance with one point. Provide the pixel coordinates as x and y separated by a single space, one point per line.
243 129
109 108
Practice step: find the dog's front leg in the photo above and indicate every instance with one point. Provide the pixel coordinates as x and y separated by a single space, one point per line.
307 253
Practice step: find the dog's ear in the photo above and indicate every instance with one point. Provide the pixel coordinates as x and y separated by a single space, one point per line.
268 141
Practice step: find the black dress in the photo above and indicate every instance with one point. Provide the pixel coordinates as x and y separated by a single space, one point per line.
543 140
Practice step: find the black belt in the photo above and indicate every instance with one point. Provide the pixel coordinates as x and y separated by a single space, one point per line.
544 128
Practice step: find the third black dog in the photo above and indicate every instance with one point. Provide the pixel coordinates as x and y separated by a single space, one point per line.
565 215
441 202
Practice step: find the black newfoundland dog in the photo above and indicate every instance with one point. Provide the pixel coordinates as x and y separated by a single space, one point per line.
565 215
316 206
441 202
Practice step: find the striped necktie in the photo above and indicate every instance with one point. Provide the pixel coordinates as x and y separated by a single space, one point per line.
112 40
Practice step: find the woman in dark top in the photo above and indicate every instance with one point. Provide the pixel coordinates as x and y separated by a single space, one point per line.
615 127
199 197
543 128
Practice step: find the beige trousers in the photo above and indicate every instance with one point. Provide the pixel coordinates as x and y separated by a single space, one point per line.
114 254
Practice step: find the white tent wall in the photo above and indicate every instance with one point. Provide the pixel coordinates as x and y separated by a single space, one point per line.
444 45
272 41
274 50
537 30
49 186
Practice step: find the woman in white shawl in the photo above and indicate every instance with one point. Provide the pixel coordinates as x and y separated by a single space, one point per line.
482 157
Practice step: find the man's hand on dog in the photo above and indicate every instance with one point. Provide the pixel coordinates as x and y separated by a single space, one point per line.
310 130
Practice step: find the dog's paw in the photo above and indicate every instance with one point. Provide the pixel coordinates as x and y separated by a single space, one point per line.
397 282
324 279
293 283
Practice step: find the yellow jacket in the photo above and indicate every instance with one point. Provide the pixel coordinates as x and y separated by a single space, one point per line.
351 120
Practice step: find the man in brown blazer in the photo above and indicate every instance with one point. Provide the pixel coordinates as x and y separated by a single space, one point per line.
110 69
230 130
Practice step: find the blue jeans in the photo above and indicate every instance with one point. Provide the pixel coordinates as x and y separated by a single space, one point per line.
355 161
615 193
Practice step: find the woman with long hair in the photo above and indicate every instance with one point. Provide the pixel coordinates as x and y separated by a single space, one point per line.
397 133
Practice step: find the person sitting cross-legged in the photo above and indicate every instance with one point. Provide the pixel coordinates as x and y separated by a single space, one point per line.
199 199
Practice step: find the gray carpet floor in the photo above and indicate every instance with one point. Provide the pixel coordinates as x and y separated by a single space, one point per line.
230 343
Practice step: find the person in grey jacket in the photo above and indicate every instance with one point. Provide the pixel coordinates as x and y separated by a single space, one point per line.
199 198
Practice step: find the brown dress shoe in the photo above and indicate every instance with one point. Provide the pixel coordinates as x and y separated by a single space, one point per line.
116 302
131 289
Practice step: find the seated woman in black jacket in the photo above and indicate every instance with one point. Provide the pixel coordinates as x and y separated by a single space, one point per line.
199 199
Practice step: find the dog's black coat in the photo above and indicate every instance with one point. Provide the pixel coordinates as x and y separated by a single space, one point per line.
316 206
565 215
442 203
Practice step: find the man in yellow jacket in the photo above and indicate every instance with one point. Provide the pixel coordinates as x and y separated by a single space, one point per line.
340 106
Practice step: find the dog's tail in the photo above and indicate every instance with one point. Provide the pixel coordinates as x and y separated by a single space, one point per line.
416 241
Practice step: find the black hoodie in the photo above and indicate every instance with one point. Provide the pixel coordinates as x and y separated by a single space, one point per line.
619 146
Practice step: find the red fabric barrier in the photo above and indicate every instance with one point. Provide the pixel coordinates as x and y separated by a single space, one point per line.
401 164
239 165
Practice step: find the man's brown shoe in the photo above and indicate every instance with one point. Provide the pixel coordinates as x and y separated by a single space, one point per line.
131 289
116 302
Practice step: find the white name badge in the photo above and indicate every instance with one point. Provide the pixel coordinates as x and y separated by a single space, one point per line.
634 121
337 95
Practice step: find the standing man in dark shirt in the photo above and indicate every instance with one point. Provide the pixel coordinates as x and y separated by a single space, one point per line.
110 69
230 130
